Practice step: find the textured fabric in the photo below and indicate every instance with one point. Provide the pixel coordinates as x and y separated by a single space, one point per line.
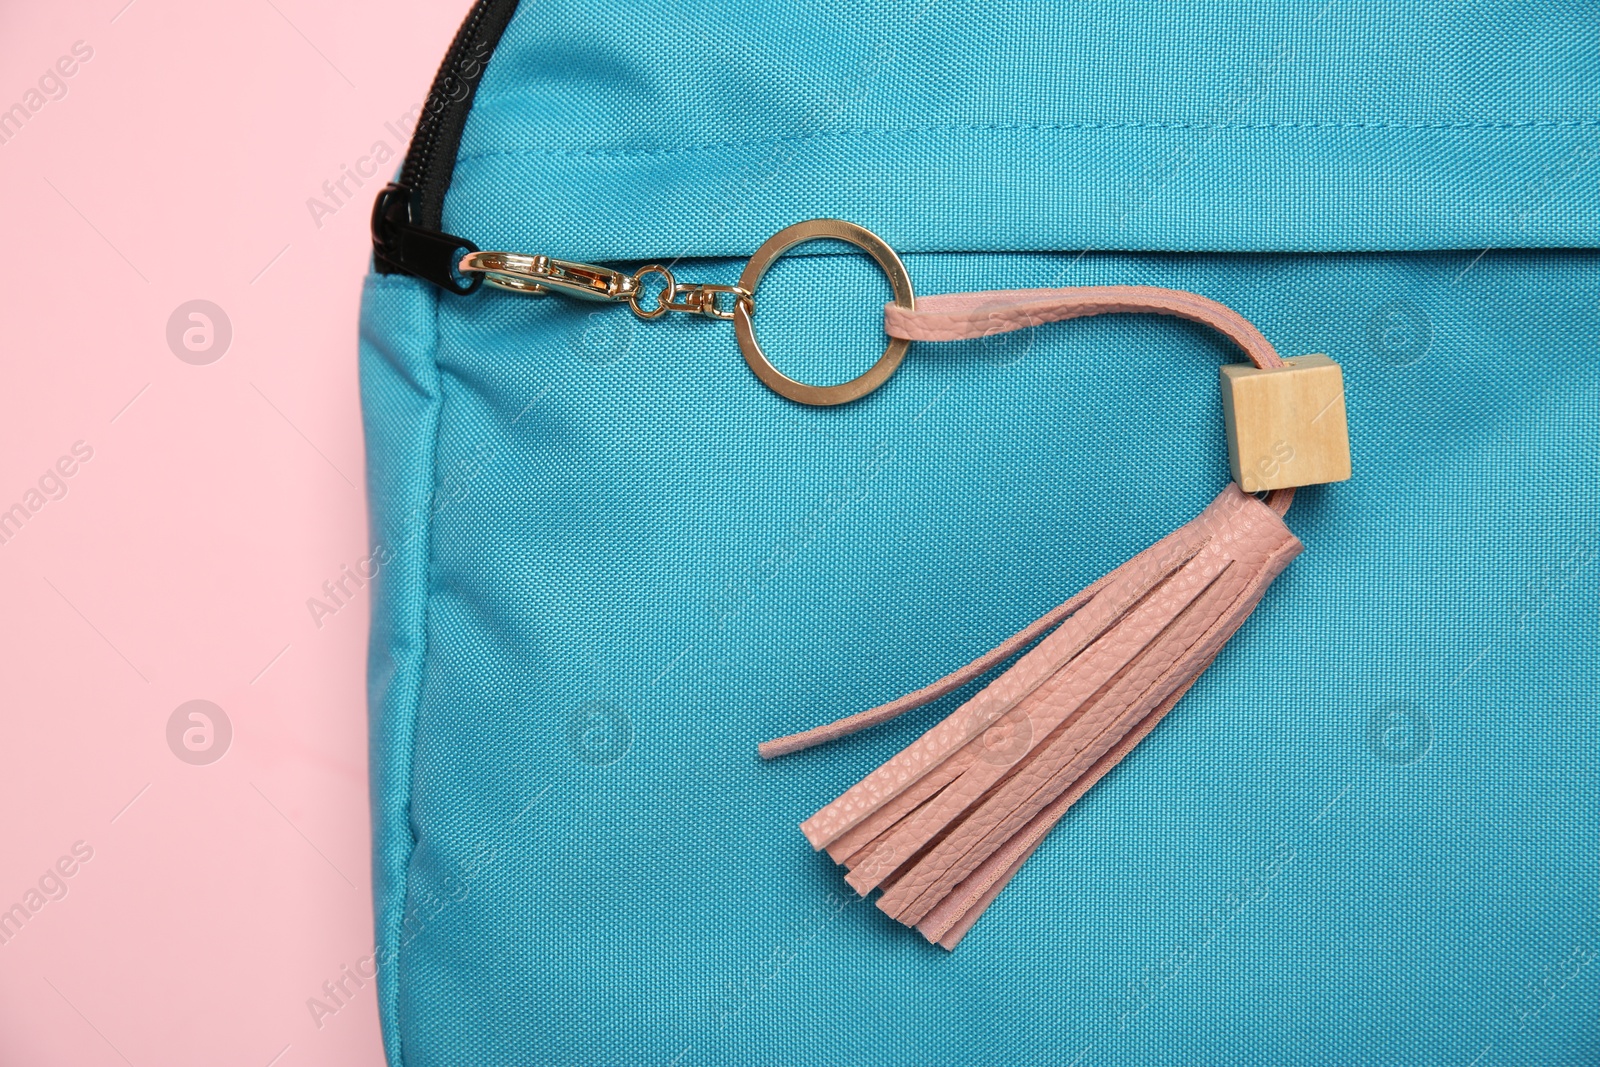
618 562
1002 125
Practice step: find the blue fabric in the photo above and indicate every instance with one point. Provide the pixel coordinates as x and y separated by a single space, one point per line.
1006 125
614 562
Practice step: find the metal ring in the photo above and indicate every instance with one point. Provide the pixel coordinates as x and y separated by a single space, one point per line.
765 256
706 300
663 302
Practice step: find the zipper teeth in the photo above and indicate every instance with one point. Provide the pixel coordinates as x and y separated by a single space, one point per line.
420 158
418 173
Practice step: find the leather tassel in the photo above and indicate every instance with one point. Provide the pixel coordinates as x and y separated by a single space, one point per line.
941 827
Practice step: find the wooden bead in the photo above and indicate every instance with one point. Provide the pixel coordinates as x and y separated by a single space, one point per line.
1286 425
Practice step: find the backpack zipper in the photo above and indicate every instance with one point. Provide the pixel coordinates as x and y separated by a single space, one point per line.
406 219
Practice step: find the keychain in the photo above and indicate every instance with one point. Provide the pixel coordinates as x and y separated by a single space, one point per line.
941 827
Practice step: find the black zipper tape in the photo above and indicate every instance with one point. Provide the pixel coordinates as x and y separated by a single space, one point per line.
406 238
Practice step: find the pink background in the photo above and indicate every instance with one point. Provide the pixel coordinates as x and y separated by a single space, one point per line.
219 498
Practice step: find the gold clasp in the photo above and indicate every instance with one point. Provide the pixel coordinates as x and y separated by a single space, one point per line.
542 275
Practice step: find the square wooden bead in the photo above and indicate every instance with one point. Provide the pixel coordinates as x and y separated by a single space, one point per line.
1286 425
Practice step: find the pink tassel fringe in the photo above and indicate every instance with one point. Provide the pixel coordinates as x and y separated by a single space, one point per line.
944 825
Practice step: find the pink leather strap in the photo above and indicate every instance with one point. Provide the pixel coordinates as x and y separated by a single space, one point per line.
967 316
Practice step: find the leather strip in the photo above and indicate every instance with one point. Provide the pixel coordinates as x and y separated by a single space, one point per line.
943 825
782 746
951 920
1074 685
968 316
1128 584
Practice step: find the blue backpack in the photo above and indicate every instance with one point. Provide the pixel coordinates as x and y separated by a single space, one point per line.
611 560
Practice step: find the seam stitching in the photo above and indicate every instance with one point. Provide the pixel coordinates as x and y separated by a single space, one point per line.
398 928
869 132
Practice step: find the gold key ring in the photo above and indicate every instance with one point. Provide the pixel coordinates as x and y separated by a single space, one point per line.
542 275
744 325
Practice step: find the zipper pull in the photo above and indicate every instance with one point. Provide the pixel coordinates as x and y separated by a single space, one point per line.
542 275
399 247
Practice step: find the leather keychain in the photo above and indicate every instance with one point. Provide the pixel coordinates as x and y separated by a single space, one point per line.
941 827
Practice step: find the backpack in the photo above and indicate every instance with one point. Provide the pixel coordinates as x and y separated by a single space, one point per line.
610 560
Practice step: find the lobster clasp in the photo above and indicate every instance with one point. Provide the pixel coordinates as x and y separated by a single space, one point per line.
539 275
